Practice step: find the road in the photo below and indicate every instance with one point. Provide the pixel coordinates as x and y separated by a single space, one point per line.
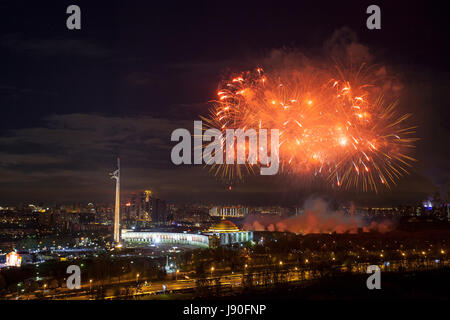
230 280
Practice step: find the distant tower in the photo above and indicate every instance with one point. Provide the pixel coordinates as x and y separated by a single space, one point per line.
148 194
116 175
148 205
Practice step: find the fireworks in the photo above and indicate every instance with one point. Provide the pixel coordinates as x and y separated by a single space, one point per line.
335 127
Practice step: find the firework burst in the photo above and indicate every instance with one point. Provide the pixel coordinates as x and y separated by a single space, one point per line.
334 127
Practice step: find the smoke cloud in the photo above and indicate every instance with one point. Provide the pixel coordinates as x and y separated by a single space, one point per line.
317 218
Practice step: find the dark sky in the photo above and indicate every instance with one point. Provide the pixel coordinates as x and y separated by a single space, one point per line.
74 100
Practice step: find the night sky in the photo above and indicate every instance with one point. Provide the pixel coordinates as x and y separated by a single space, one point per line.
74 100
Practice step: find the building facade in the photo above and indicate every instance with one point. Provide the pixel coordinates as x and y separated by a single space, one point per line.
222 234
227 233
228 211
148 237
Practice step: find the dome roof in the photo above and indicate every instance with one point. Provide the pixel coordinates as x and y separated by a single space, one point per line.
224 226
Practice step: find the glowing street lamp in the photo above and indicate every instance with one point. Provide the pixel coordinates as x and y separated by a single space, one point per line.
212 269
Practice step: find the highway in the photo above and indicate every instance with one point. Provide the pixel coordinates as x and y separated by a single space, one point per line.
183 284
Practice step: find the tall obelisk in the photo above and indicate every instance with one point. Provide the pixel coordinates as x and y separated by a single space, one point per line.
116 175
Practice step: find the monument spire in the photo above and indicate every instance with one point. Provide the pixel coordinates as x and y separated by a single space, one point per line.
116 175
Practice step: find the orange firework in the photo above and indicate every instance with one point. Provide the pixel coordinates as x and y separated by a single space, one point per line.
338 128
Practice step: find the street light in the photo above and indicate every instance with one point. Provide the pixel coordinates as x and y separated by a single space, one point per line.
176 275
18 286
212 269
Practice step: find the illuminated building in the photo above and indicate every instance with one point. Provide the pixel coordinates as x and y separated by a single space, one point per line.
428 205
147 237
226 232
145 208
150 209
223 233
13 259
228 212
